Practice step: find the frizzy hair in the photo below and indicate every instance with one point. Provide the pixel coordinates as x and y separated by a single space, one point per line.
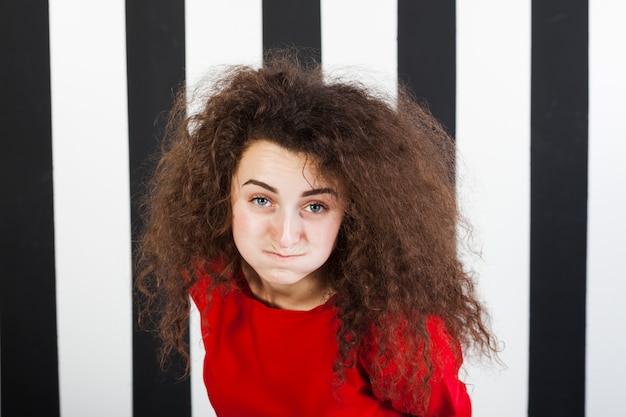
396 261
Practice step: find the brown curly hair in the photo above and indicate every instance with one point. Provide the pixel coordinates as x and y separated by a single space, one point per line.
396 258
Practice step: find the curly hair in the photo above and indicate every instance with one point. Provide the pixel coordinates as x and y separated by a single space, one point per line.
396 259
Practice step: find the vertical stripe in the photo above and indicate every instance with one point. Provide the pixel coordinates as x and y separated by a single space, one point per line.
493 153
558 208
350 44
427 54
491 104
155 57
606 243
289 23
93 260
221 42
208 46
27 269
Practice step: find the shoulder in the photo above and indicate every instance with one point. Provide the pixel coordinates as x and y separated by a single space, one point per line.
408 369
404 336
207 276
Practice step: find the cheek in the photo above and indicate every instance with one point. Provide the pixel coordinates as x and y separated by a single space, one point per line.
247 227
241 226
326 235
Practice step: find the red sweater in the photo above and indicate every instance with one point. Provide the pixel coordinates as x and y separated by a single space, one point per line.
266 362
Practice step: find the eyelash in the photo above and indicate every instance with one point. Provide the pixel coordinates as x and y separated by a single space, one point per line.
256 201
322 206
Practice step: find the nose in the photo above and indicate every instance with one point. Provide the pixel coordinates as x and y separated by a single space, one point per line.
287 228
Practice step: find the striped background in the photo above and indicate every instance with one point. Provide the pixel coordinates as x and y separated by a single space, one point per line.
533 90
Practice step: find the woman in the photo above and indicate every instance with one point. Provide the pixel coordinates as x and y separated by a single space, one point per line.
314 226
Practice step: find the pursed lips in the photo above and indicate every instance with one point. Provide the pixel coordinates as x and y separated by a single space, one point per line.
280 255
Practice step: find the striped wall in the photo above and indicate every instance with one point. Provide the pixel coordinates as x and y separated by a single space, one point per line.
532 89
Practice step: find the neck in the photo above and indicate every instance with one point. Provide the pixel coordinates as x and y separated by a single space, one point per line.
302 296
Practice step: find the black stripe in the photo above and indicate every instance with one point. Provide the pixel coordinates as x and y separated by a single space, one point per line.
27 297
289 23
558 226
156 59
427 54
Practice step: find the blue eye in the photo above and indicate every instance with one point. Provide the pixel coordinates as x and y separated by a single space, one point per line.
261 201
315 208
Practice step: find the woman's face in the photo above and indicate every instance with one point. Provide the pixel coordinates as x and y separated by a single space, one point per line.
286 217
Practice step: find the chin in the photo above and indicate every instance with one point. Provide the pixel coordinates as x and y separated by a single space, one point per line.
281 276
282 279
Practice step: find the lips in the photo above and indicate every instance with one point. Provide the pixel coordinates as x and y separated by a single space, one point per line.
285 256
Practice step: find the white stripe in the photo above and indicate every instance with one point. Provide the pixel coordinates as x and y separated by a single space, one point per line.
217 34
359 39
493 136
606 242
91 193
221 33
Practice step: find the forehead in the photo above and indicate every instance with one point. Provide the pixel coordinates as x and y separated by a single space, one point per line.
268 159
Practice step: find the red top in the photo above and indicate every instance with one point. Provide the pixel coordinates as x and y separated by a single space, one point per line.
267 362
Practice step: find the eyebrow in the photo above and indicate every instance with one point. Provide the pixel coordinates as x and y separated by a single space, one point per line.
307 193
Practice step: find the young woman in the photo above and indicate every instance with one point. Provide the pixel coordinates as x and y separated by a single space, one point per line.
314 225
